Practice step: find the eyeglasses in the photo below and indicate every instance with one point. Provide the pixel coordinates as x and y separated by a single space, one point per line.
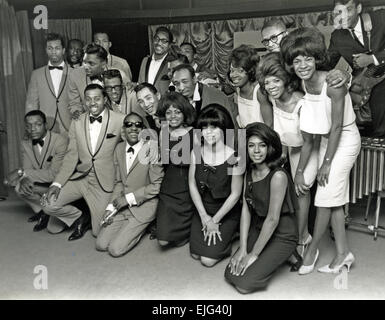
136 124
163 41
273 39
116 88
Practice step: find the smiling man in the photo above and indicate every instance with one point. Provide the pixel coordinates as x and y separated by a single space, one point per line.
88 168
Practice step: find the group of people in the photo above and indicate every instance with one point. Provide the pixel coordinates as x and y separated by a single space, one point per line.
180 158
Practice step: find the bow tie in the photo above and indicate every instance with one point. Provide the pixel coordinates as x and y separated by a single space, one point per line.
131 149
38 141
55 67
92 119
99 78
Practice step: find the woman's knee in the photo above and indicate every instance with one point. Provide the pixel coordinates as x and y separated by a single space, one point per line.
208 262
195 256
163 243
243 291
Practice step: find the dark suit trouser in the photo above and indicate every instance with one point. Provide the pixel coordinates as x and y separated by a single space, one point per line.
377 106
87 188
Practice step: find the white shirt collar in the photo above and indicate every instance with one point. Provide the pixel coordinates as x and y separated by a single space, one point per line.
136 146
158 60
196 96
60 65
357 27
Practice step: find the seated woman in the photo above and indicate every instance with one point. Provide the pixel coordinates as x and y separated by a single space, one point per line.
326 112
252 104
175 209
282 89
214 190
268 232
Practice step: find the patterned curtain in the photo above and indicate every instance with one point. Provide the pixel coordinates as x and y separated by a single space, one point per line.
214 39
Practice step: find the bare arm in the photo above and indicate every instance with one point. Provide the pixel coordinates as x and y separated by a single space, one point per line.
266 108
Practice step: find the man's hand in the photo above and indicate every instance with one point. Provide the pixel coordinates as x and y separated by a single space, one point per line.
12 178
120 202
53 193
362 60
26 186
337 78
76 114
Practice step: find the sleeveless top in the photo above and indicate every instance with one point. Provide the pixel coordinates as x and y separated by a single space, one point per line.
257 195
249 110
316 112
286 124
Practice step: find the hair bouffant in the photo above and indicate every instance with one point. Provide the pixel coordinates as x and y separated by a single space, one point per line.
245 57
272 140
272 64
308 42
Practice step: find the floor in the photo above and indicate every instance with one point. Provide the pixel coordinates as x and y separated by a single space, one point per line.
75 270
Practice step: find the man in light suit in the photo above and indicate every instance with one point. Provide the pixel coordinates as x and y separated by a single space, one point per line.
88 170
154 68
42 155
135 193
48 87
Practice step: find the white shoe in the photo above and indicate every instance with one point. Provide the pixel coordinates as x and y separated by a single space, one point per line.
308 269
348 261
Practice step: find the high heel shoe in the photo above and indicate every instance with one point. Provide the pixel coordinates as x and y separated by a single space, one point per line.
348 261
303 246
308 269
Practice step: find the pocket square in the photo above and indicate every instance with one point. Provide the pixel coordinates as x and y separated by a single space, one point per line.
49 159
110 135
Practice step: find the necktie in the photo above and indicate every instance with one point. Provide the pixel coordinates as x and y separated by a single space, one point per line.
356 38
131 149
38 141
92 119
55 67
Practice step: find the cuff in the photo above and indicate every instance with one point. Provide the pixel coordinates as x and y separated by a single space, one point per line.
131 199
376 63
110 207
56 184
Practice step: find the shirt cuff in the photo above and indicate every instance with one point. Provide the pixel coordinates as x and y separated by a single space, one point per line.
110 207
376 63
56 184
131 199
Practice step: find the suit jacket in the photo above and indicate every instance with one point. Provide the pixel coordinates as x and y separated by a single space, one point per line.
143 180
343 44
115 62
80 160
43 167
160 85
41 95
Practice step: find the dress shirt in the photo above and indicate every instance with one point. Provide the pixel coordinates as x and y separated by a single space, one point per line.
154 68
39 147
95 128
56 75
196 96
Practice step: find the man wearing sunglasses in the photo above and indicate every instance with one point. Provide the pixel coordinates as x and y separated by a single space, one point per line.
134 198
154 68
88 169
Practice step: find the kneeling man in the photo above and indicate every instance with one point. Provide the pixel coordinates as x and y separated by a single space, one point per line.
135 193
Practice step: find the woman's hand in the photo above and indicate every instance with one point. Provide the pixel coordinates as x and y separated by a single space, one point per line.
299 182
246 262
211 232
323 174
236 261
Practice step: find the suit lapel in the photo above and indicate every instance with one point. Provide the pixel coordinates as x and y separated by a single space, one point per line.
136 161
364 34
63 80
160 71
49 81
148 68
44 150
87 132
103 130
122 154
29 148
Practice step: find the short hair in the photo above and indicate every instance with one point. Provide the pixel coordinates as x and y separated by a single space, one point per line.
167 31
112 73
184 66
246 57
101 32
274 22
76 40
177 57
191 45
36 112
272 64
271 138
93 86
216 115
100 52
176 100
147 85
55 37
308 42
344 2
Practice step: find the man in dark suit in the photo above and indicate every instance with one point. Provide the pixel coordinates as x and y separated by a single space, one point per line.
42 155
352 42
88 170
135 193
48 86
154 68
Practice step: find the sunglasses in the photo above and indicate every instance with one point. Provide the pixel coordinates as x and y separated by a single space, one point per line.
109 88
273 39
138 124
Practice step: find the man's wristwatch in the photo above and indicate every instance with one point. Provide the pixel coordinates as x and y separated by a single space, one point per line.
20 172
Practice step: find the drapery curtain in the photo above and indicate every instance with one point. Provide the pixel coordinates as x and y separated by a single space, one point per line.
68 28
15 68
214 39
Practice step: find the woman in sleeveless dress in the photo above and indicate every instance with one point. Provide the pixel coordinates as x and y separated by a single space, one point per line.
252 106
215 188
268 232
175 208
326 112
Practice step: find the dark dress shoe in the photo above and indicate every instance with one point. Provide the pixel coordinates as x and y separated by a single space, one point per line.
80 230
35 217
42 223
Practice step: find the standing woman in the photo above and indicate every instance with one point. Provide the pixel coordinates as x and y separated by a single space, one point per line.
252 104
282 89
175 208
214 189
268 232
327 112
